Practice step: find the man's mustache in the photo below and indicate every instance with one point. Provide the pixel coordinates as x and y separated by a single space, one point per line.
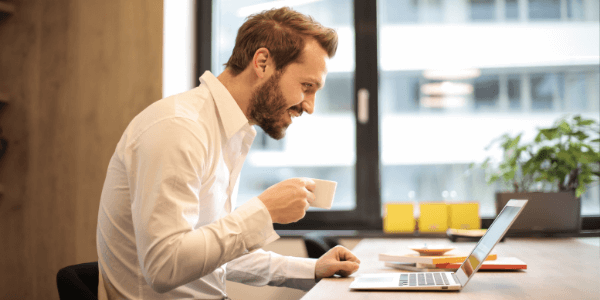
298 109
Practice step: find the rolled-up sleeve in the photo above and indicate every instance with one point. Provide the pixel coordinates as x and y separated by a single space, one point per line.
165 166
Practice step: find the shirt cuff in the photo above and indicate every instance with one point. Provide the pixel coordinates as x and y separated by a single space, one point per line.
301 268
300 273
256 222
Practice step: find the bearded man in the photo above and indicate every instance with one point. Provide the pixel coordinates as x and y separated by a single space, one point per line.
166 224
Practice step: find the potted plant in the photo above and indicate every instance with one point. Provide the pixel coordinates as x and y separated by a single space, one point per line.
552 171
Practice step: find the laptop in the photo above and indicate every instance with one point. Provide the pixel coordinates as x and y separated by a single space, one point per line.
446 280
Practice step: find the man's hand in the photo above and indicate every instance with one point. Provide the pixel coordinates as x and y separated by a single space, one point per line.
338 260
288 200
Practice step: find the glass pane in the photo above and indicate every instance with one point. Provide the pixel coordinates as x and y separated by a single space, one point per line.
575 9
404 89
320 145
576 92
486 92
512 9
431 11
400 11
514 92
542 91
446 91
544 9
483 10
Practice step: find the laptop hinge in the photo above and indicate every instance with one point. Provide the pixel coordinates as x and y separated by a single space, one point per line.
456 278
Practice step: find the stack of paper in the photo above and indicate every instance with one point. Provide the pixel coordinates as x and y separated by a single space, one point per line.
415 262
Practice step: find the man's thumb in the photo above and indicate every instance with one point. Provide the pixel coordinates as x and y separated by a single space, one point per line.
347 266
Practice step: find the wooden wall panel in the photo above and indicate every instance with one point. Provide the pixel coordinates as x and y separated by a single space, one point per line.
51 181
78 71
120 69
19 79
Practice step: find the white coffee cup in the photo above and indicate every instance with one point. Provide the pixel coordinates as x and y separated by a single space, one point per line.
324 192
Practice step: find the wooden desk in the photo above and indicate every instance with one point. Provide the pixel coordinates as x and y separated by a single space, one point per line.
557 268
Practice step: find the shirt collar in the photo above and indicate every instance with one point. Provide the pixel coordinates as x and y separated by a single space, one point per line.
232 117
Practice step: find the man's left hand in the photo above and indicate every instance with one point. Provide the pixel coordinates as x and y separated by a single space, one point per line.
337 260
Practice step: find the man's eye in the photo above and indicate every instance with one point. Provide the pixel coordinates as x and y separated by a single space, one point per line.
307 85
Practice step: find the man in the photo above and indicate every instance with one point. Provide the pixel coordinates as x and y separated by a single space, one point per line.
166 224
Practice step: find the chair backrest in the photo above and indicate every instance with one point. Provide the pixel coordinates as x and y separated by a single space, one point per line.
78 281
318 244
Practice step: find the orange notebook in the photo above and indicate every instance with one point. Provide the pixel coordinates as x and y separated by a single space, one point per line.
431 260
502 263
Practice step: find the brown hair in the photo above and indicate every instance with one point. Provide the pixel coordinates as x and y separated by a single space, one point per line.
283 31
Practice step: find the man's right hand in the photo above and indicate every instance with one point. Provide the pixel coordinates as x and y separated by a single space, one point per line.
288 200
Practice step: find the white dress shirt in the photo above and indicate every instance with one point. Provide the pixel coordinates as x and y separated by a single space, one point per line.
166 229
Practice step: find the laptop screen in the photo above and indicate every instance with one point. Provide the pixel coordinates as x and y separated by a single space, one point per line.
494 234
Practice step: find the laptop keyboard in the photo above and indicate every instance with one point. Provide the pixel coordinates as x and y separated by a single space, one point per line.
424 279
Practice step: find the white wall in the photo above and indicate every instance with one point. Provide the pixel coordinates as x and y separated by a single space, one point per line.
179 46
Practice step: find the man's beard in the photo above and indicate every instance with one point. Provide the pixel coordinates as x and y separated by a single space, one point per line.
268 107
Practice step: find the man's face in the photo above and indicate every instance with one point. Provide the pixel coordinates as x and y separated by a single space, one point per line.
268 107
288 93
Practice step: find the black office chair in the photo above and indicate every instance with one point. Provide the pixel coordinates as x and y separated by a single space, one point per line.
78 281
318 243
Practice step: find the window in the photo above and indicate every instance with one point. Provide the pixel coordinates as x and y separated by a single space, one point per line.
542 91
514 92
575 9
321 145
483 10
475 82
486 92
544 9
512 9
444 78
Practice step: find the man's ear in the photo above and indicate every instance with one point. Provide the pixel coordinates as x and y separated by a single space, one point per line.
262 63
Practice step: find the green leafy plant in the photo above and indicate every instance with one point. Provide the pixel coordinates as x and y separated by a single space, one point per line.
563 157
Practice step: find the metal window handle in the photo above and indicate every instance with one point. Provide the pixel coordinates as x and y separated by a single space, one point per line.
363 106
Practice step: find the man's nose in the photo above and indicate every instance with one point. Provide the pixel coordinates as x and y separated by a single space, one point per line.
308 105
